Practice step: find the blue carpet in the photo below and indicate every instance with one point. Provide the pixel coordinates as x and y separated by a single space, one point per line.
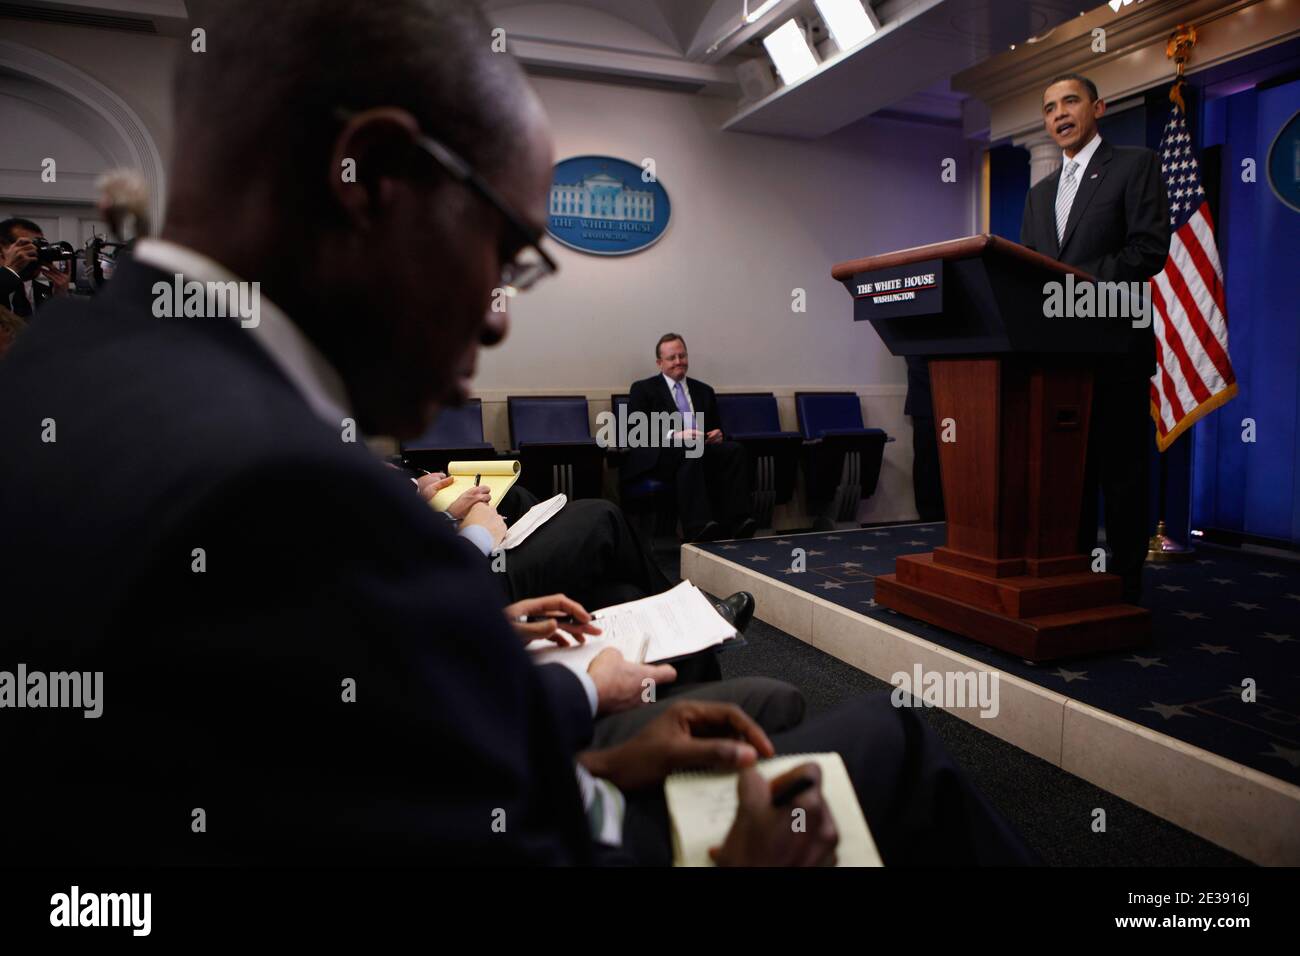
1216 621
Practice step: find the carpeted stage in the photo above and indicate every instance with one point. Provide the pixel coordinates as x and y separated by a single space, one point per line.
1164 726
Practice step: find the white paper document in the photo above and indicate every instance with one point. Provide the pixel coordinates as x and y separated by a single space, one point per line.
534 518
675 623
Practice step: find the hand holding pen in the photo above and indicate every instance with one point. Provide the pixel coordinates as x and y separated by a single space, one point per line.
552 618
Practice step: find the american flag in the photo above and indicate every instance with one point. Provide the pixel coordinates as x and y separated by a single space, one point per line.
1194 374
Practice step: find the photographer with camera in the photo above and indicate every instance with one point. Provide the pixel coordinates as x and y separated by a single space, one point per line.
28 274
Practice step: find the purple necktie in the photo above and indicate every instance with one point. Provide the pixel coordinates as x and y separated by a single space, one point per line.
683 406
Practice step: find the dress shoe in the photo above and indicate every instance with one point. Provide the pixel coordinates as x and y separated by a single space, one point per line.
737 610
711 531
745 529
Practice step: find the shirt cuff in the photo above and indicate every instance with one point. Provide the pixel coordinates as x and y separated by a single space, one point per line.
589 686
480 537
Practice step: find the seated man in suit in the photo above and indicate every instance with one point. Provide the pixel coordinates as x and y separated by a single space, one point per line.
587 550
715 488
1106 212
588 556
303 664
26 284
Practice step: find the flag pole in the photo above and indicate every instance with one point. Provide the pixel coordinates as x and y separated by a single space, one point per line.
1161 547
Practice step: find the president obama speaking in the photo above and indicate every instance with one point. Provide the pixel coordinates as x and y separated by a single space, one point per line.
1106 212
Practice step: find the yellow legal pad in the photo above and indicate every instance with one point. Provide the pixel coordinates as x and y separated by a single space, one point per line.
497 475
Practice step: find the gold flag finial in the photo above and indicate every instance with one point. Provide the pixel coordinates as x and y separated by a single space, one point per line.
1179 49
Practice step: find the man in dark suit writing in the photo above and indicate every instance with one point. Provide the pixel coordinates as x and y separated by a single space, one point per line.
713 477
1106 212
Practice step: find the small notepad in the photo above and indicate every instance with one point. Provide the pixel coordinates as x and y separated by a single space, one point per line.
703 806
498 476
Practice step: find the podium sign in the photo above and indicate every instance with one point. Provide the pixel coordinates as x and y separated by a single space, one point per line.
898 292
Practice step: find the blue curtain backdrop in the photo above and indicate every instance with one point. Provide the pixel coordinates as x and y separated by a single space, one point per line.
1251 488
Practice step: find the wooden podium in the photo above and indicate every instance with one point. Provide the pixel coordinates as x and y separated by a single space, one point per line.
1012 391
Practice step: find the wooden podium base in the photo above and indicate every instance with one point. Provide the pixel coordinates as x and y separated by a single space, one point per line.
1035 618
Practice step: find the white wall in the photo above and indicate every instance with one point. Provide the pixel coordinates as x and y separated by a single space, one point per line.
134 66
52 127
753 218
90 99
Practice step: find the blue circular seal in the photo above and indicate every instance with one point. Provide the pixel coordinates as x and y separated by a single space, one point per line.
1284 163
606 206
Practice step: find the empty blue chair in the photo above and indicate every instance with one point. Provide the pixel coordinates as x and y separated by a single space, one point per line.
456 434
842 457
648 502
752 419
557 454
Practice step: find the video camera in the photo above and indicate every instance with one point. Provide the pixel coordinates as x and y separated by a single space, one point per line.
88 268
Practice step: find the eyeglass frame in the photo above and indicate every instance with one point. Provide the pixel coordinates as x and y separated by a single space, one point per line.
460 169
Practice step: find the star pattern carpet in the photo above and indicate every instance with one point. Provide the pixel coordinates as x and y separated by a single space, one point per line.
1217 622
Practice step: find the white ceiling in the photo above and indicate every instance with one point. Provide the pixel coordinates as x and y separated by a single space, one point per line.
674 23
902 71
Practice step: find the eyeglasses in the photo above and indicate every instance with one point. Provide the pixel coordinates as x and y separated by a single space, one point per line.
531 264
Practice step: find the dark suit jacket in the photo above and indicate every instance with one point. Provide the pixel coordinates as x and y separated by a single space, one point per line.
11 285
1118 230
222 688
650 395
